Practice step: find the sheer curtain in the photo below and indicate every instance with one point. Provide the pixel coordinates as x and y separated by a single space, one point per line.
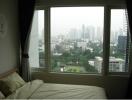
26 10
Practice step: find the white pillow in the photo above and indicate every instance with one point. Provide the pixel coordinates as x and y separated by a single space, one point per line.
14 81
1 95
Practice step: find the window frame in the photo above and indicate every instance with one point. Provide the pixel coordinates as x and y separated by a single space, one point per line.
41 69
106 42
129 53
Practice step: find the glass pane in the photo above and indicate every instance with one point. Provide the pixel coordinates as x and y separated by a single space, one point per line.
77 39
36 50
119 42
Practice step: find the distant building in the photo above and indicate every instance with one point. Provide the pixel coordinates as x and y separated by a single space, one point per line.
83 31
92 33
57 54
122 41
73 34
98 63
115 64
99 34
82 45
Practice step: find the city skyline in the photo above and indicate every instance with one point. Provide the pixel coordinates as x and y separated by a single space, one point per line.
81 46
62 19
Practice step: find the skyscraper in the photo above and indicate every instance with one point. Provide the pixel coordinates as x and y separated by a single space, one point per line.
122 41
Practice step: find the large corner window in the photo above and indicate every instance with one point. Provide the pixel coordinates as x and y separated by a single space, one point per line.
76 39
119 42
70 40
36 46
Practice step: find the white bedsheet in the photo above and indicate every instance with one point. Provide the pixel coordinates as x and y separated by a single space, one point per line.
39 90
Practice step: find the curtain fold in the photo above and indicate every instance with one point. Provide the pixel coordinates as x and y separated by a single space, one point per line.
129 10
26 11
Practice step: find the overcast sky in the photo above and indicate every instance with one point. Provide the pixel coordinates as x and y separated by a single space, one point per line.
65 18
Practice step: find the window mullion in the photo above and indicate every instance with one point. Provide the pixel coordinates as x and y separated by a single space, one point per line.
106 43
47 38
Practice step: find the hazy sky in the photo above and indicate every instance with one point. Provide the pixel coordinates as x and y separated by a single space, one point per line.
117 19
65 18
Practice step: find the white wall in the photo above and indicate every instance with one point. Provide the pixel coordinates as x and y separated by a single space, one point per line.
9 48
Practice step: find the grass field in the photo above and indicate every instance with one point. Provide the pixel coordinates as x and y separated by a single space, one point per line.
74 69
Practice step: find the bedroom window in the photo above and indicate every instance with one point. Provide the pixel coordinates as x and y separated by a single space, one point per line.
119 42
76 39
37 45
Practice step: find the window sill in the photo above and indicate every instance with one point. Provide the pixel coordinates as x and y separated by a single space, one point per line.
112 74
35 69
80 74
119 74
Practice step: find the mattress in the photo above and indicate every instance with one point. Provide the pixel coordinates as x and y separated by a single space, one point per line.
39 90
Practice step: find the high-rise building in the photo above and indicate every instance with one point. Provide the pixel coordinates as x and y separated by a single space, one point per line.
122 41
91 33
83 31
115 64
98 63
99 35
87 33
73 34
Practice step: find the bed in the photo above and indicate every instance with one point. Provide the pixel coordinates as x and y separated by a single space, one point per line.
37 89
